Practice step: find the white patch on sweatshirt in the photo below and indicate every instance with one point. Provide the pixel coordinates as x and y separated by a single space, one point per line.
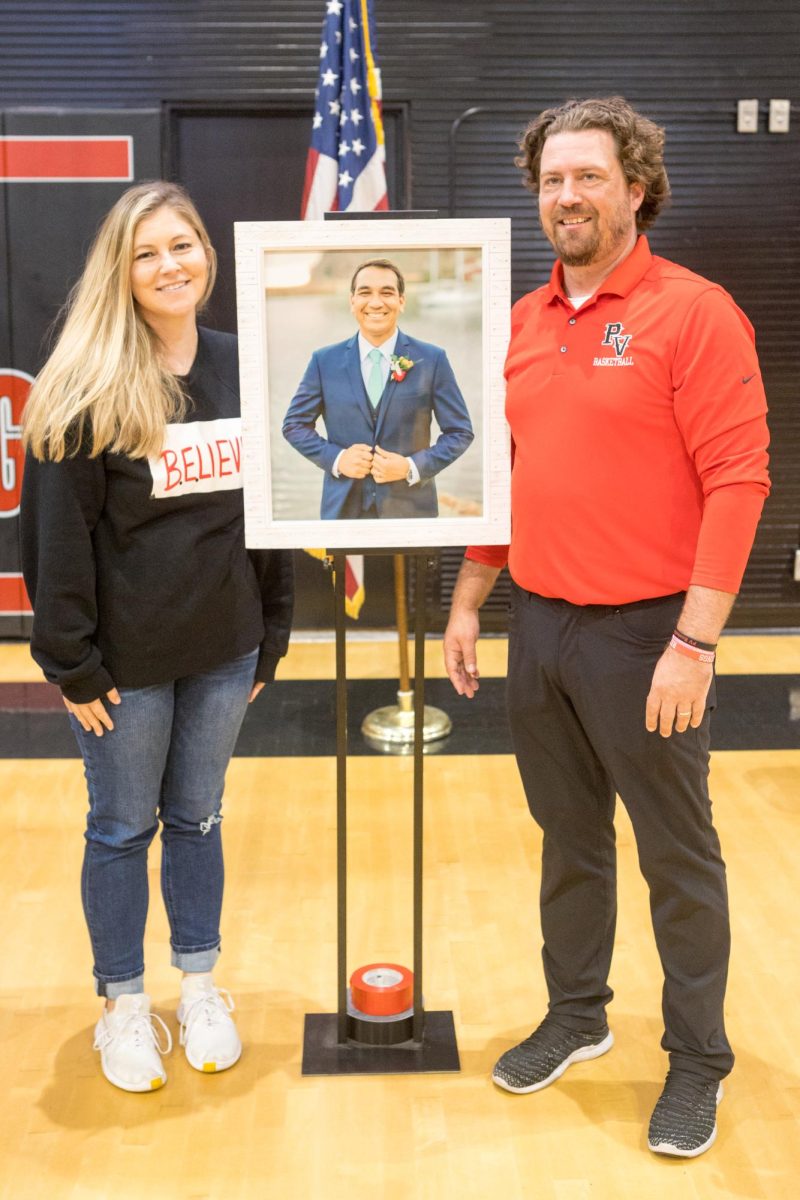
200 456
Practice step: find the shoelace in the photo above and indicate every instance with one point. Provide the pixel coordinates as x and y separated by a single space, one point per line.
549 1035
211 1007
682 1093
139 1025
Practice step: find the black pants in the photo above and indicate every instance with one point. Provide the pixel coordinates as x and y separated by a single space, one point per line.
578 678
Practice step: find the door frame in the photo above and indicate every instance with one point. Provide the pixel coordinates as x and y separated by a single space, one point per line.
174 110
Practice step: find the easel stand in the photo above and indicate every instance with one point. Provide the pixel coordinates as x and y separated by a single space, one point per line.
329 1047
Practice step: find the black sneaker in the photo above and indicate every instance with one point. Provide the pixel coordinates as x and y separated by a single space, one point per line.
684 1121
546 1054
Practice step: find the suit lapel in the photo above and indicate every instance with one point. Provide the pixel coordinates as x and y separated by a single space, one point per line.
356 379
401 346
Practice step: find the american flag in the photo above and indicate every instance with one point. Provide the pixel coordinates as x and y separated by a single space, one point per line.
346 166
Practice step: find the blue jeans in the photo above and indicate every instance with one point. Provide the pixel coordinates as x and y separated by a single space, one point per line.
165 758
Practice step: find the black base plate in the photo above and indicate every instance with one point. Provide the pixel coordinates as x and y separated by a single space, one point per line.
324 1055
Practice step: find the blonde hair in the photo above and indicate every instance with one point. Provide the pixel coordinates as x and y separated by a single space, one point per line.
105 376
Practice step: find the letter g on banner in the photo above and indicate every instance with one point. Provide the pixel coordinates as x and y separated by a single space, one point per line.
14 388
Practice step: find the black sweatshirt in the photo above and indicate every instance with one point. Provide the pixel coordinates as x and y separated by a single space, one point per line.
137 569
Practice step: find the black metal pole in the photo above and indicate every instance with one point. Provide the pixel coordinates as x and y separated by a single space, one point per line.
339 567
420 591
451 156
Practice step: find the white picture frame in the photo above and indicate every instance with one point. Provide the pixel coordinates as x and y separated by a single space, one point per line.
293 285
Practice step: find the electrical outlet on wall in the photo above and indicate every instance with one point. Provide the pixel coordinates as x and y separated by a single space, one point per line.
747 116
779 114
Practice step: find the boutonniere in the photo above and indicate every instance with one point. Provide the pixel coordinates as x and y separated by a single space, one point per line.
400 367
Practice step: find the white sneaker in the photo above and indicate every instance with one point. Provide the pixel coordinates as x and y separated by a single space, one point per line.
130 1044
208 1035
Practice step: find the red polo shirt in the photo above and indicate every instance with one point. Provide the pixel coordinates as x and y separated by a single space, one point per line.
640 437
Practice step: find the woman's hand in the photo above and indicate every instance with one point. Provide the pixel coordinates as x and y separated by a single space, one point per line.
256 689
93 716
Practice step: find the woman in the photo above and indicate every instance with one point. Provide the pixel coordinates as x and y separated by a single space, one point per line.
150 615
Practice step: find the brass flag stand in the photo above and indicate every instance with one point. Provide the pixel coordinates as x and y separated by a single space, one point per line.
392 728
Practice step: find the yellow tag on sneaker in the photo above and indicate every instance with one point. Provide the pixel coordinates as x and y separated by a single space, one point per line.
156 1083
209 1068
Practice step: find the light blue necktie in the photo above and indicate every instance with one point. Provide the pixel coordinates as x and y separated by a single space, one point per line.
375 381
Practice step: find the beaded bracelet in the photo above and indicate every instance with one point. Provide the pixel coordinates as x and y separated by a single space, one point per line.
704 656
690 641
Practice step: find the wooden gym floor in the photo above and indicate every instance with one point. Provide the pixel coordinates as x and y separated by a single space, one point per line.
263 1130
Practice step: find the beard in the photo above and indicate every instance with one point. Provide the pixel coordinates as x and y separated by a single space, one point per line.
599 242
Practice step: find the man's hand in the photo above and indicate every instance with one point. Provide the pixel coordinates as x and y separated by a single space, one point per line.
93 716
475 582
678 693
356 461
460 658
388 467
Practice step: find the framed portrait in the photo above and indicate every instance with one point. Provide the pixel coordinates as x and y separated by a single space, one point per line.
371 362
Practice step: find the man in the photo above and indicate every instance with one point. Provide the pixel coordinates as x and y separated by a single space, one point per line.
376 393
638 420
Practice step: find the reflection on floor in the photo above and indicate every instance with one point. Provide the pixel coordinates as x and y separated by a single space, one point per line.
297 717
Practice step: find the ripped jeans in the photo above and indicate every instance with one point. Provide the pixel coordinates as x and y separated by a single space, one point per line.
165 758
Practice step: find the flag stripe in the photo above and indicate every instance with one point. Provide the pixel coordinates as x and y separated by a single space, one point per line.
368 184
321 195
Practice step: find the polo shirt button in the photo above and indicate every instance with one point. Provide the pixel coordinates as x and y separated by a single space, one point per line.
563 349
572 320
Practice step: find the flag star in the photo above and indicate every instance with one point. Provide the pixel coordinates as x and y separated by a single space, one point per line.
356 117
358 146
354 54
345 179
338 35
353 24
323 50
343 119
329 78
344 148
334 7
355 86
317 120
334 106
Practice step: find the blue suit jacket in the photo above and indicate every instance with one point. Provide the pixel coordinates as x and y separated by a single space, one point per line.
333 388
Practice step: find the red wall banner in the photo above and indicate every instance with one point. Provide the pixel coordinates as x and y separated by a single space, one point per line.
45 159
14 388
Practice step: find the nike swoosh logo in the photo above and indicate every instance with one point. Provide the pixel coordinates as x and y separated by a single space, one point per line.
747 378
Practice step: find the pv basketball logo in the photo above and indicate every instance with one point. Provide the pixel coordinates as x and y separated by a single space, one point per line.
14 388
615 337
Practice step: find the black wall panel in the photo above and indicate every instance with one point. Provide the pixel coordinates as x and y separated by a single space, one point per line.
734 215
46 230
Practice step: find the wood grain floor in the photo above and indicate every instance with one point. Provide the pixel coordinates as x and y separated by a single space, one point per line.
262 1130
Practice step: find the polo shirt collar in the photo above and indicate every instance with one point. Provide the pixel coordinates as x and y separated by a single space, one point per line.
622 280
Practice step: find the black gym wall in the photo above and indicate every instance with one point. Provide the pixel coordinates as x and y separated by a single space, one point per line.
199 85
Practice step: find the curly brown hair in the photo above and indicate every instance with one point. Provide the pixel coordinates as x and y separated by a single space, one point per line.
639 142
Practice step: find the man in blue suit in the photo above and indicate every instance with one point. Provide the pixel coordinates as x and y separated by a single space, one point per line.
376 393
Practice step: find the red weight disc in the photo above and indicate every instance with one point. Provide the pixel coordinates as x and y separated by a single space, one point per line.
382 989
